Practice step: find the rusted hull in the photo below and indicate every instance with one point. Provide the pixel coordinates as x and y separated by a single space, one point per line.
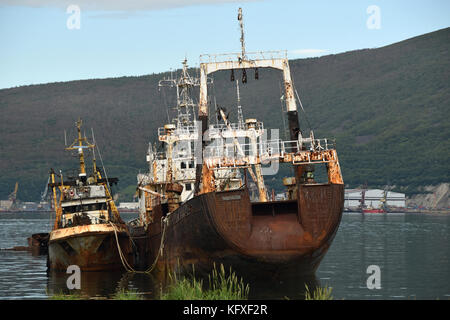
92 249
38 243
267 237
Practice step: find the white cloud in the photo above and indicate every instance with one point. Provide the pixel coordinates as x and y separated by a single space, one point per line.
308 52
114 5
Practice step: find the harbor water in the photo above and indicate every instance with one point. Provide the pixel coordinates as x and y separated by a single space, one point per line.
411 252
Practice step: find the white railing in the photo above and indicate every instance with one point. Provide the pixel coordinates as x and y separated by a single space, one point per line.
179 131
259 55
266 149
221 127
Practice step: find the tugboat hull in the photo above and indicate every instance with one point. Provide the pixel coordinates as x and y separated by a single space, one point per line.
267 237
91 247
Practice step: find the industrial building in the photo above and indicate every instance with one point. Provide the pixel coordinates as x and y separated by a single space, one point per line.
128 206
373 198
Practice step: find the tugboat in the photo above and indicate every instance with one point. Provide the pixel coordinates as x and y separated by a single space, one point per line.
88 230
195 206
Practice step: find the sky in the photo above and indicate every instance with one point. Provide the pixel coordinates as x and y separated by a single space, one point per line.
56 40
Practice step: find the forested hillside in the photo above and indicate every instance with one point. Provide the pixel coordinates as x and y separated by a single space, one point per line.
387 108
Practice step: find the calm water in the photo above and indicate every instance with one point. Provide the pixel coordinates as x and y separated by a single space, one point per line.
412 251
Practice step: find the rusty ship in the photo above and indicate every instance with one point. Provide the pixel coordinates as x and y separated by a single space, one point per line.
88 230
195 207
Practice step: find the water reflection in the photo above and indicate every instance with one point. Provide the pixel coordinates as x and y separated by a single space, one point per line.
412 250
102 284
288 286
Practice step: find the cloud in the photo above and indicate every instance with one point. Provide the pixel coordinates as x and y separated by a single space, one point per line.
114 5
308 52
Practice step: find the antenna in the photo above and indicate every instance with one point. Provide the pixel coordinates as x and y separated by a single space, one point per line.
241 25
94 161
283 112
217 112
240 116
237 90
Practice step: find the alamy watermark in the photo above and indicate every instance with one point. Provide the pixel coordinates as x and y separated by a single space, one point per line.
74 280
374 20
374 280
74 20
236 147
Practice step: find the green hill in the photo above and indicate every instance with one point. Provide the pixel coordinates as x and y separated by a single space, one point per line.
387 108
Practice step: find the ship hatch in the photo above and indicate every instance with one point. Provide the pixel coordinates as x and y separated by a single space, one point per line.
274 207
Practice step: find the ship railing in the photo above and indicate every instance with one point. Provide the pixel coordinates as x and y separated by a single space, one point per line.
257 55
263 151
72 173
307 144
217 128
186 129
306 150
267 148
179 131
175 157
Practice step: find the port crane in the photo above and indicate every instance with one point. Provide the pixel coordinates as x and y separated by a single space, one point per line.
13 196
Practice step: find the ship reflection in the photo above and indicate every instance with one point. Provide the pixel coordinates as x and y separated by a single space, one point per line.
290 286
104 285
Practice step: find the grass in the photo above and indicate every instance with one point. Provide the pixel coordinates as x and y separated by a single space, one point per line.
319 293
123 294
62 296
221 287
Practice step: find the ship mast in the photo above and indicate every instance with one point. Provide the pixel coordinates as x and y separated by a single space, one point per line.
241 24
79 146
185 105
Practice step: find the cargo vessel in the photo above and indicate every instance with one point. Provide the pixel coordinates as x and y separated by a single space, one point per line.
369 208
195 205
88 230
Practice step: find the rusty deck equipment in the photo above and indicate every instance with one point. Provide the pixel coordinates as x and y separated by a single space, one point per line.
88 231
195 204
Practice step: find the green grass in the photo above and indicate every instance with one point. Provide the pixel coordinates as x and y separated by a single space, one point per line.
318 294
221 287
123 294
63 296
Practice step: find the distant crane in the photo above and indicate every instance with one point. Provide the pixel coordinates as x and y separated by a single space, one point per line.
13 196
45 192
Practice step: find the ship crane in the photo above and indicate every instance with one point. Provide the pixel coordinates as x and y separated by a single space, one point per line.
44 194
13 196
258 177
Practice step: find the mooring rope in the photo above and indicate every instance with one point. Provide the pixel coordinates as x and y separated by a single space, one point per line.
124 261
126 265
